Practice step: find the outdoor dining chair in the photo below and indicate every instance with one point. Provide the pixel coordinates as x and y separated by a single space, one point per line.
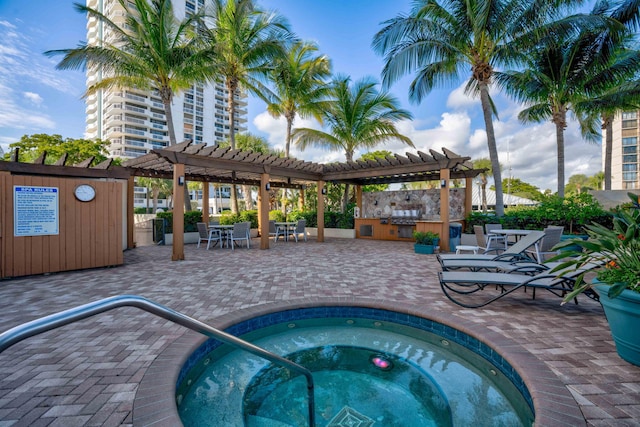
487 243
241 231
273 230
552 236
494 237
299 229
204 233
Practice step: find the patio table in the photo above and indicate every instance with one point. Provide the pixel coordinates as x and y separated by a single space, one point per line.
285 227
223 228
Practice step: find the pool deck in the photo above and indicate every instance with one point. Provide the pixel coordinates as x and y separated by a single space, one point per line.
88 373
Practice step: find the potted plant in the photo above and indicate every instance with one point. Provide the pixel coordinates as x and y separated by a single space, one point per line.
617 282
426 241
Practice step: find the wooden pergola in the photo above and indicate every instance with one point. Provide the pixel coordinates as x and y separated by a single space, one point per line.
200 162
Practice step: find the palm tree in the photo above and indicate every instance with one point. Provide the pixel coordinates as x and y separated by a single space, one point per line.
615 94
561 75
358 116
257 144
441 40
300 87
151 50
243 42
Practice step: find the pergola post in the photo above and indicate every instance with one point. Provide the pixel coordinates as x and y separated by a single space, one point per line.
205 202
130 213
320 218
263 211
178 212
444 208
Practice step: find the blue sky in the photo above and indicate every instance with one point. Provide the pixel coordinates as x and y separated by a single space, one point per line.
37 98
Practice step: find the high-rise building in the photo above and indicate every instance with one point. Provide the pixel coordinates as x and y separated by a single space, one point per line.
134 121
625 152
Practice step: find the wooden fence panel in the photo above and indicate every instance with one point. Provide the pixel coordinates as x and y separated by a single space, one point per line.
90 233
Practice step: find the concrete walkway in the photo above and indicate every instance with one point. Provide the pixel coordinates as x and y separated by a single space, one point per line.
87 374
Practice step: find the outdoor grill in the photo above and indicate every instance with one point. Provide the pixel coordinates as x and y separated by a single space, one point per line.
404 216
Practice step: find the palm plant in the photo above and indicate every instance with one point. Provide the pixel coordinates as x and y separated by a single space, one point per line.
358 116
151 50
614 93
243 42
441 40
563 73
300 85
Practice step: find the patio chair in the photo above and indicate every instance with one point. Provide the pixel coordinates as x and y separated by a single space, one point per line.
494 237
488 243
461 285
515 252
204 233
273 230
299 229
552 236
240 231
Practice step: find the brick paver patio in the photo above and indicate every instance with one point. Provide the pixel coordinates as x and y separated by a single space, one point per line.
88 373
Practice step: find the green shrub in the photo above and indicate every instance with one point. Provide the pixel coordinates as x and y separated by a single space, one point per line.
250 216
191 218
573 213
229 218
277 216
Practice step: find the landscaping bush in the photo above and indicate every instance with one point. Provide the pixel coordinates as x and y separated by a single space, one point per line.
573 213
331 219
277 216
191 218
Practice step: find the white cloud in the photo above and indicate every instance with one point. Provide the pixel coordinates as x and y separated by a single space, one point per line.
13 115
33 97
458 100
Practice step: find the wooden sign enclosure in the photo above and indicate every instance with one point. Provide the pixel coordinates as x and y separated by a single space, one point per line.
90 233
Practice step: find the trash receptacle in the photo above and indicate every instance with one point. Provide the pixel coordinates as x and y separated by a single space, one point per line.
455 234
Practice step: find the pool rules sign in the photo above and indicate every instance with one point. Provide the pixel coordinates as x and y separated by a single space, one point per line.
36 211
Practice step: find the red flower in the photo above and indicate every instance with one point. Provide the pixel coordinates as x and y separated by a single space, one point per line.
620 236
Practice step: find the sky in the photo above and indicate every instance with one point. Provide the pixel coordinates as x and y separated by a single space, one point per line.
37 98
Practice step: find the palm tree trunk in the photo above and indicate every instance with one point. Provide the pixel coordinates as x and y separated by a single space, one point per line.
560 140
607 123
231 87
287 147
167 95
484 197
491 142
248 202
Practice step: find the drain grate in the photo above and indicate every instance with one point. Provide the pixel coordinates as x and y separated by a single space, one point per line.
349 417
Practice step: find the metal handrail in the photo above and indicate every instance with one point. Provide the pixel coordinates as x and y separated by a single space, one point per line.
53 321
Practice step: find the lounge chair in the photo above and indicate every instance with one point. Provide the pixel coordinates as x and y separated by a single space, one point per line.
516 252
459 285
